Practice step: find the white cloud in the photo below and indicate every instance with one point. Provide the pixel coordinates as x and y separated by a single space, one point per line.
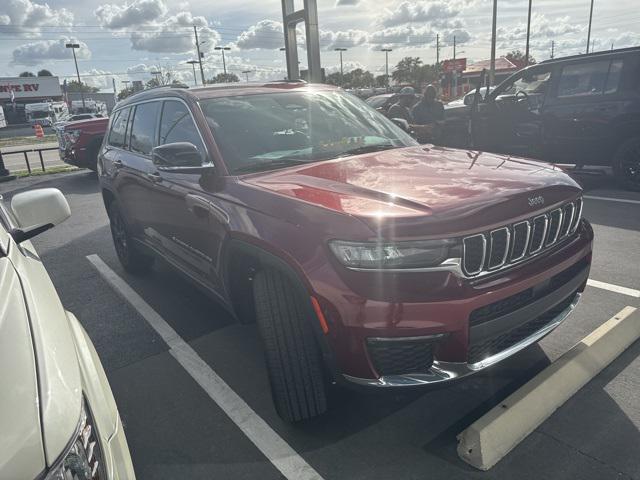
423 12
266 34
25 16
342 39
341 3
139 12
42 51
172 36
542 29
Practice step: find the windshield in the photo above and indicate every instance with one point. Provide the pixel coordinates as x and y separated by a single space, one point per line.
261 132
39 114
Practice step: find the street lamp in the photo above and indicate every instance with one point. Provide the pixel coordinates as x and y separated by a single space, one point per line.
73 47
155 73
247 72
224 64
193 64
341 70
386 68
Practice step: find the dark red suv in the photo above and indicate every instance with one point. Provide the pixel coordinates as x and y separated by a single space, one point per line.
364 258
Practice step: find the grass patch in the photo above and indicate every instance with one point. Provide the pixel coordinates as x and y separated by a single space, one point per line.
30 140
48 171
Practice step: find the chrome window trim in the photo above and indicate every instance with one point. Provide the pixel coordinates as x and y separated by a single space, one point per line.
544 232
484 253
526 242
506 249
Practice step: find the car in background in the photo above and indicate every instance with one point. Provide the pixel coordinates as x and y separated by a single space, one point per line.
382 102
58 416
581 110
79 141
364 258
76 117
466 100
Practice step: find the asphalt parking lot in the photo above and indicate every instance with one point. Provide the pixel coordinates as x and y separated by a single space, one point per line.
176 430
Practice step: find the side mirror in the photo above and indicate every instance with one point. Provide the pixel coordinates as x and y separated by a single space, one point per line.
402 123
176 156
37 211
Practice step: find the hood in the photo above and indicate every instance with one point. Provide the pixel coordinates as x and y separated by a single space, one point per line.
21 448
425 185
94 123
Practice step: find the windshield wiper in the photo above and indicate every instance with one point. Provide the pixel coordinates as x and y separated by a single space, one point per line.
365 149
257 167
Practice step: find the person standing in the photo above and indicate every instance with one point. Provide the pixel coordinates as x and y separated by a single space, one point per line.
402 107
428 110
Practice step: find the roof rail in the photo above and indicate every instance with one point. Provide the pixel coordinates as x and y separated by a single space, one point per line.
593 54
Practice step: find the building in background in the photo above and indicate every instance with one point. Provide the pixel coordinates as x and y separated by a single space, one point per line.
469 77
108 98
16 92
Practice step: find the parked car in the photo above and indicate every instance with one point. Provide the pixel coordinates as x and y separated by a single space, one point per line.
79 116
583 110
79 142
364 258
58 416
382 102
463 103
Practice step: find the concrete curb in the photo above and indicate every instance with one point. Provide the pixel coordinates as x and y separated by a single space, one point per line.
490 438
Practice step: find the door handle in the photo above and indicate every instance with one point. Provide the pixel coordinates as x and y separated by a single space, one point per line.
117 163
154 177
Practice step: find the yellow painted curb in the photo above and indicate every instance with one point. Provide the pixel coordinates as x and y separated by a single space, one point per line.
486 441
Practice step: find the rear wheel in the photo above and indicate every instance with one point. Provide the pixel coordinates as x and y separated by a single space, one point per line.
293 356
128 253
627 164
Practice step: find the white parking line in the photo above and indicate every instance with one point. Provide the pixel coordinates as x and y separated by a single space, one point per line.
274 447
609 199
614 288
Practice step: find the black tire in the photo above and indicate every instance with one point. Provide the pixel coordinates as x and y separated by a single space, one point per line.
132 260
626 164
293 356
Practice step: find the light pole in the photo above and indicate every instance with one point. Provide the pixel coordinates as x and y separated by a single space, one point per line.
386 63
200 54
73 47
589 30
246 73
341 69
224 63
492 64
193 64
526 50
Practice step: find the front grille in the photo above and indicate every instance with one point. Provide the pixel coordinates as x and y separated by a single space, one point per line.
499 248
391 357
492 346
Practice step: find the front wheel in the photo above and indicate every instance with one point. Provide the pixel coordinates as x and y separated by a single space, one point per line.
627 164
128 253
293 356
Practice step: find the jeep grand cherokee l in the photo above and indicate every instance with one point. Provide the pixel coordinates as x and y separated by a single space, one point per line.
364 258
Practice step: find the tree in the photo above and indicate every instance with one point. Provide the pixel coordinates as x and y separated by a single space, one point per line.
224 78
125 92
74 86
26 74
517 58
45 73
381 80
333 78
406 70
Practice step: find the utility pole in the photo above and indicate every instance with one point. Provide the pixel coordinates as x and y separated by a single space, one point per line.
224 63
386 64
73 47
589 30
437 49
611 45
247 72
593 45
341 69
553 44
200 55
492 65
526 51
193 65
455 70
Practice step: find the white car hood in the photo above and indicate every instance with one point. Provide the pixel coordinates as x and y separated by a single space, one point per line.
56 363
21 448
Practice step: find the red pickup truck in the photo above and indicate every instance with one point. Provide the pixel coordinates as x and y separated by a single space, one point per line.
80 141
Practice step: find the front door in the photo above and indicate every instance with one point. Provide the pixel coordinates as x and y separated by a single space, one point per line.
188 223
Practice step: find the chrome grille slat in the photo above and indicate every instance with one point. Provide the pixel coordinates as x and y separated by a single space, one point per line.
497 249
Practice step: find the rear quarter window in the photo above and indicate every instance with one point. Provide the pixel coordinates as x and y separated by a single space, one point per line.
118 131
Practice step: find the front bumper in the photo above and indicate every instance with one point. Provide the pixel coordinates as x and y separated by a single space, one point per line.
469 324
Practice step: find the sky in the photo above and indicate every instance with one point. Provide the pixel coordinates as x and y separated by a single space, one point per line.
126 40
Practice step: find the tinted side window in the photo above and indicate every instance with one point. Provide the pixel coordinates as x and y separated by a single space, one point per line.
583 79
143 128
119 128
613 80
176 125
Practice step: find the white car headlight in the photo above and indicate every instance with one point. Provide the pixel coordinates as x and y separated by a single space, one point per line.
397 255
83 458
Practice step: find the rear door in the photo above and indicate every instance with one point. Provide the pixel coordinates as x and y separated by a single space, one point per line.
585 100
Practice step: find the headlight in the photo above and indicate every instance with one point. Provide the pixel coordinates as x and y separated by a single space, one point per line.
72 135
83 459
418 254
